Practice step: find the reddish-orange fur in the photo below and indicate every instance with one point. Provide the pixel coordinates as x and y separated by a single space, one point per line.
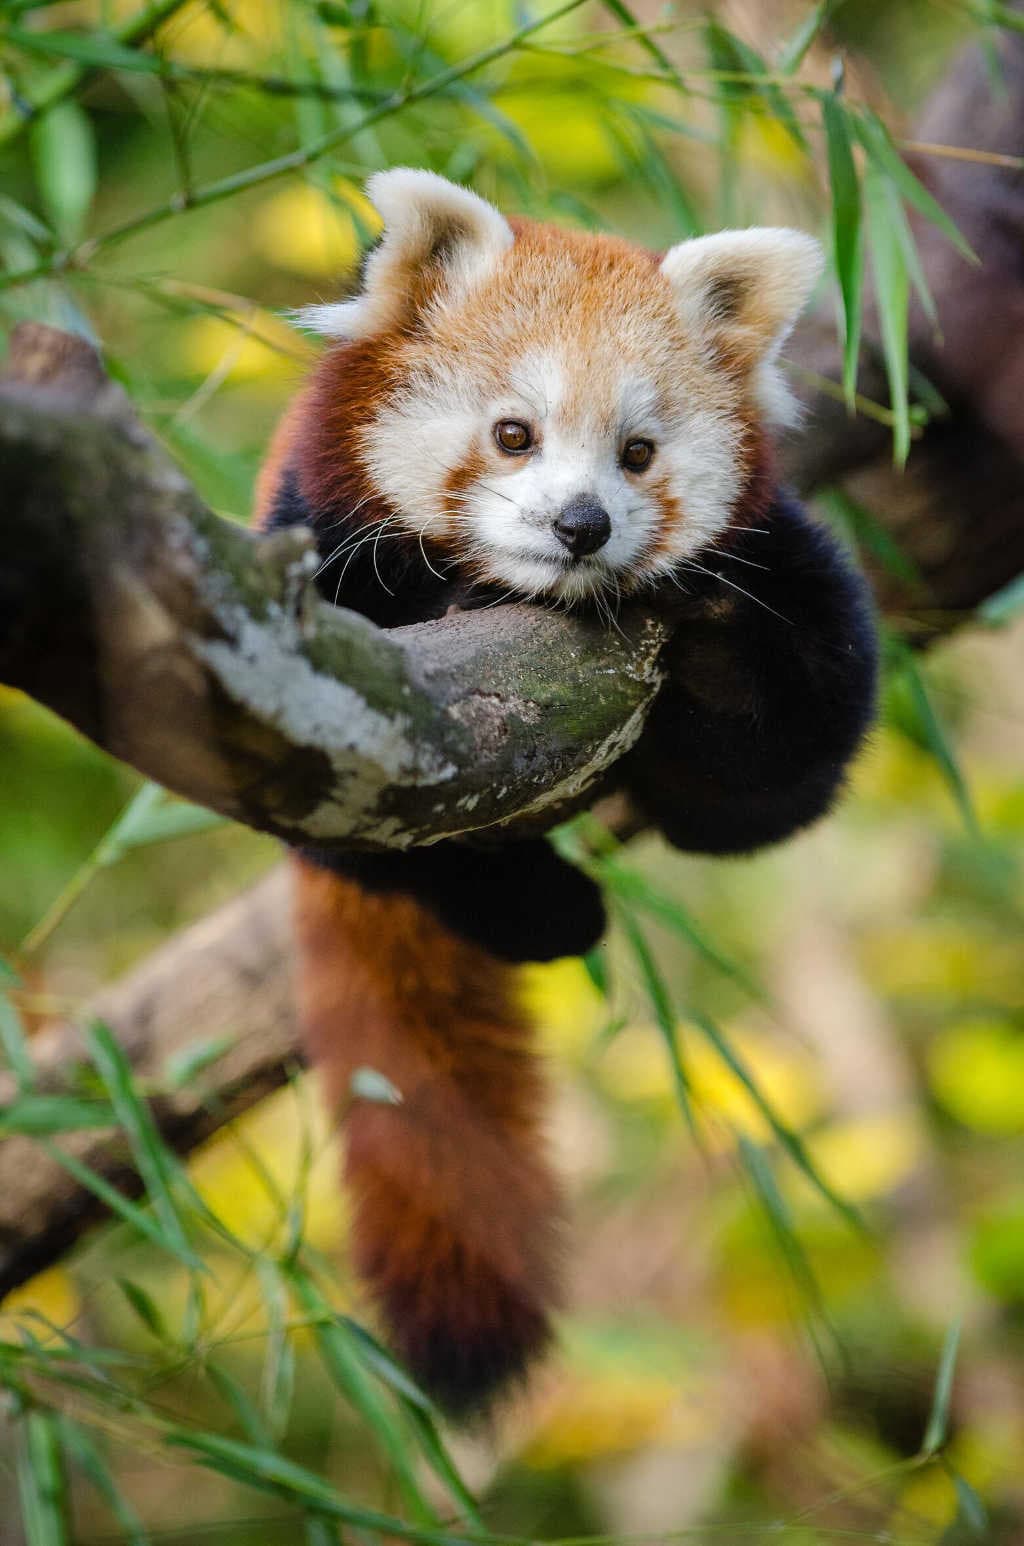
455 1209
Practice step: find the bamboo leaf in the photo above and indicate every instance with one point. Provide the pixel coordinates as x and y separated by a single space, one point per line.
272 1473
664 1013
63 153
889 264
145 1308
790 1141
932 734
869 533
97 49
803 35
14 1042
80 1448
344 1364
937 1431
732 57
997 611
184 1066
277 1382
42 1484
847 233
877 142
36 1115
128 1212
756 1164
971 1515
630 886
250 1419
156 1165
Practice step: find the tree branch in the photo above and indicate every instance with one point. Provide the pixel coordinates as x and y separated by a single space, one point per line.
201 653
226 977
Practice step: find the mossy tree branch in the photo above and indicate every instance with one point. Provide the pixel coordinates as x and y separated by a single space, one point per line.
201 654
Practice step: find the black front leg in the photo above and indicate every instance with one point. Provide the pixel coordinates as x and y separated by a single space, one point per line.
769 693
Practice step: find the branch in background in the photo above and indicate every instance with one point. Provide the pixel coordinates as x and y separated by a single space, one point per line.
226 977
957 511
201 653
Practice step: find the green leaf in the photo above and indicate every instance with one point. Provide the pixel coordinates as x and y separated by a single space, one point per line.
63 154
272 1473
803 35
145 1308
96 49
14 1043
321 1532
1004 607
869 533
129 1212
380 1361
932 734
971 1515
42 1484
629 885
937 1431
175 818
623 14
156 1164
877 142
23 220
277 1382
595 964
790 1141
36 1115
755 1163
81 1449
182 1067
664 1012
731 56
250 1419
847 233
892 293
345 1365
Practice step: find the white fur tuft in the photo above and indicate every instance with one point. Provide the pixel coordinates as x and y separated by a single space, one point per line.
766 274
423 215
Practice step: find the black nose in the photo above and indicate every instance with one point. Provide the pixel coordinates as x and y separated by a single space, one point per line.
583 526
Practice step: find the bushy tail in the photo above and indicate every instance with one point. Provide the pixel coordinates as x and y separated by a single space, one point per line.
455 1209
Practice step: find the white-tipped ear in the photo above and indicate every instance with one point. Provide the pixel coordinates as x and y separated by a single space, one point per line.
438 239
741 292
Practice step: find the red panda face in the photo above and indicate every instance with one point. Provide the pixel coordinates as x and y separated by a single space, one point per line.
565 414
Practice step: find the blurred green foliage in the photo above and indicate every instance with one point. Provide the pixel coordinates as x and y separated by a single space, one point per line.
788 1088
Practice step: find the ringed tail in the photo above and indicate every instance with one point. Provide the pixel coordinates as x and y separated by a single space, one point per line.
455 1209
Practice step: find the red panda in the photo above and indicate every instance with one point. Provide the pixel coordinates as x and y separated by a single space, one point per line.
512 409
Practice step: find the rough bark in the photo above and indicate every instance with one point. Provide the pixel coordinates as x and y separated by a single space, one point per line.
224 978
200 652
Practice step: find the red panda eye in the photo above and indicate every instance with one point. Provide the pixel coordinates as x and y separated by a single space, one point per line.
637 455
512 436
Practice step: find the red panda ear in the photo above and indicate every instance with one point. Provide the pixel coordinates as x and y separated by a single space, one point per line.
740 292
438 240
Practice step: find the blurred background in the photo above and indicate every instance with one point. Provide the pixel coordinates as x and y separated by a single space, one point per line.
738 1358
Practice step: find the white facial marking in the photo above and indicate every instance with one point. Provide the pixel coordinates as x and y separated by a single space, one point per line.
501 516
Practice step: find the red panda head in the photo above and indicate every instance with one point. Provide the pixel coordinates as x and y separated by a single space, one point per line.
564 413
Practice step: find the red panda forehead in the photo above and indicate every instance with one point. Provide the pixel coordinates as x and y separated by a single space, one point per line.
597 305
